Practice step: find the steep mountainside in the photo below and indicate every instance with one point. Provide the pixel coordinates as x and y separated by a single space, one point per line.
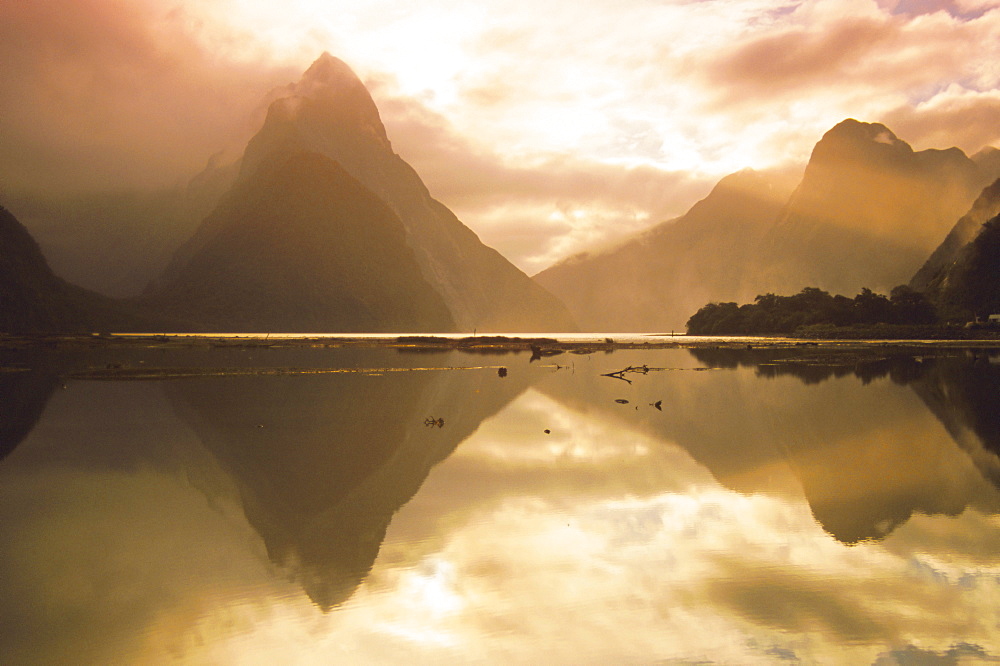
329 112
33 299
655 281
868 212
934 276
115 242
301 246
970 286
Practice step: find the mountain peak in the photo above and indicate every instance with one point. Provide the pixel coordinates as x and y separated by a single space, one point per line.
326 110
852 141
330 79
857 131
330 70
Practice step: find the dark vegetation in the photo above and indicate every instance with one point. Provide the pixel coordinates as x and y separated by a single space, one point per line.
813 308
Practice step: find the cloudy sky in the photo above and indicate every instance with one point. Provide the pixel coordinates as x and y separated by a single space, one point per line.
546 126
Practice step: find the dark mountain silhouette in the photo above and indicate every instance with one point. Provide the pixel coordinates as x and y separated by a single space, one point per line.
932 276
970 287
301 246
654 281
330 113
957 276
33 299
868 212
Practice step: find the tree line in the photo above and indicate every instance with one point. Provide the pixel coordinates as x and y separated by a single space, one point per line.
771 314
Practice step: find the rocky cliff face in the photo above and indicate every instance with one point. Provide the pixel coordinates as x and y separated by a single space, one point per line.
655 281
330 113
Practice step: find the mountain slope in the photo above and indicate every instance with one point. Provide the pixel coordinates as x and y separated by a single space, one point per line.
934 276
656 280
301 246
868 212
970 286
331 113
33 299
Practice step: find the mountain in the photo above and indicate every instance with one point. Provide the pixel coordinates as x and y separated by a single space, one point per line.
656 280
330 115
33 299
970 286
936 273
988 159
116 241
868 212
301 246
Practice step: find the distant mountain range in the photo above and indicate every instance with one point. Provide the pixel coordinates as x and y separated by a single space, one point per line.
321 227
868 212
657 279
325 229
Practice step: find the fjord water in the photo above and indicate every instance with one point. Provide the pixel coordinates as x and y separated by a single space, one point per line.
726 506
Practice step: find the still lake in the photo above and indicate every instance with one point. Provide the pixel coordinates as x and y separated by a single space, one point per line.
728 506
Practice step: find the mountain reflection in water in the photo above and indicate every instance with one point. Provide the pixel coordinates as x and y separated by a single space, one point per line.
727 506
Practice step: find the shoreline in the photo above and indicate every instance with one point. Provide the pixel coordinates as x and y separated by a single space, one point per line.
578 343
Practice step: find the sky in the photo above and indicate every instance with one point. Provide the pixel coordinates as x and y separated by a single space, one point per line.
547 127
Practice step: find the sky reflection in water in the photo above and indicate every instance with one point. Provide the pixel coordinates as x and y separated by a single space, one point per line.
770 510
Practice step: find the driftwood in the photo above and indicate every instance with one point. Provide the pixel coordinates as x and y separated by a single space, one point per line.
637 369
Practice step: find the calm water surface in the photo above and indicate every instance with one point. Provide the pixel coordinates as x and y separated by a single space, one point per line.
727 506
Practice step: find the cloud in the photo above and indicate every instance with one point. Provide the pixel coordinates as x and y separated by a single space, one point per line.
538 211
99 94
510 110
957 116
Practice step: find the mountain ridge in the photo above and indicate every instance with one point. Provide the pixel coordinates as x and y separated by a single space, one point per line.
330 112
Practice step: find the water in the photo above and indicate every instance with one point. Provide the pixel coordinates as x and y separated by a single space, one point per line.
726 506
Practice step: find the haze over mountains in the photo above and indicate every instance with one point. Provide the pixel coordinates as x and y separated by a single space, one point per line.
868 212
656 280
33 299
300 246
962 276
410 266
321 227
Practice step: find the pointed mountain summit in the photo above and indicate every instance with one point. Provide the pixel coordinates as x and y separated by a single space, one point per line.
657 279
330 115
868 212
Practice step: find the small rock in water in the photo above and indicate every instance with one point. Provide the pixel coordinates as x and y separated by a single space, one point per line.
502 372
